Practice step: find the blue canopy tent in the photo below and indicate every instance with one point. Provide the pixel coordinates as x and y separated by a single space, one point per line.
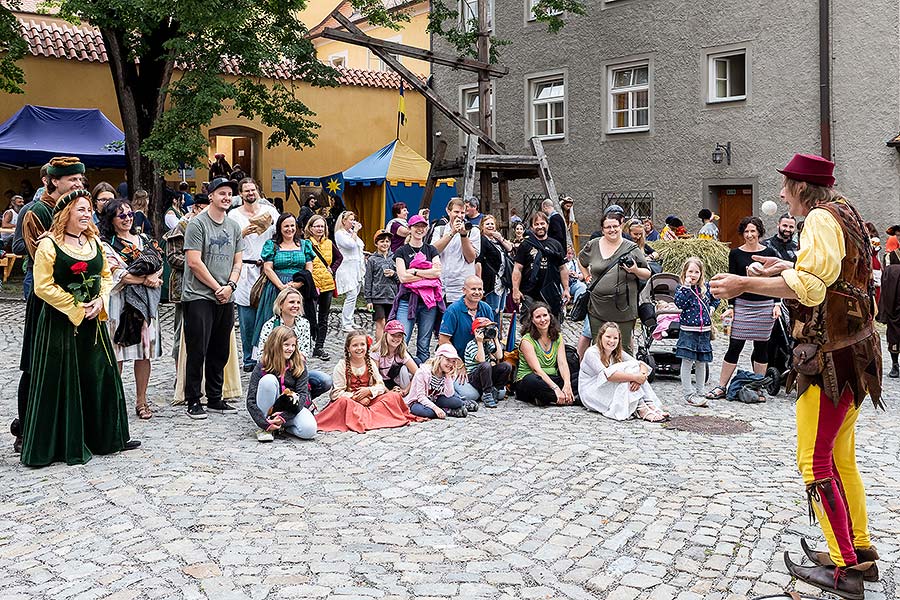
394 173
35 134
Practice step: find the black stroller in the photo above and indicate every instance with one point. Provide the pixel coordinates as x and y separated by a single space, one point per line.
659 354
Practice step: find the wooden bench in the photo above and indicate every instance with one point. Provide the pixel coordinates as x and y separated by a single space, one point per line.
7 263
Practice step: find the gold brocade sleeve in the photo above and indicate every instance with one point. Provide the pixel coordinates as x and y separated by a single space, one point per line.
106 283
819 259
47 289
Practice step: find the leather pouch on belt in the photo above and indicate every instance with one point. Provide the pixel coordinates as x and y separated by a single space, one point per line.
807 359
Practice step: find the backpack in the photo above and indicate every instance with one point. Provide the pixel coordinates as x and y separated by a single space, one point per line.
747 387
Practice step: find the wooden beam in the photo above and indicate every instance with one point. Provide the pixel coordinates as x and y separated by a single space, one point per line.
469 173
547 179
439 150
413 80
461 63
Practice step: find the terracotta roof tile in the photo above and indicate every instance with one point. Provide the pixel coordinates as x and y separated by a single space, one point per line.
84 43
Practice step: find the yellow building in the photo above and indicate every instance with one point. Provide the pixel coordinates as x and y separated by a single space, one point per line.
67 67
340 54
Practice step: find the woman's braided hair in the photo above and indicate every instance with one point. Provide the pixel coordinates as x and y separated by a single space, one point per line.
347 372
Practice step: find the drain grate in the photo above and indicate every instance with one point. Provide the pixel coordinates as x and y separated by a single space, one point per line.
709 425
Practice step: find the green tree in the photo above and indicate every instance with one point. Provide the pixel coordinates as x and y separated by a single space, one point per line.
167 59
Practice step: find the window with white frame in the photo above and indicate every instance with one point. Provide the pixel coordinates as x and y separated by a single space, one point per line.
338 60
629 98
375 62
548 107
533 3
468 10
728 76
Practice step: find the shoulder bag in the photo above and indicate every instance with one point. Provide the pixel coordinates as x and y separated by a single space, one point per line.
580 306
259 285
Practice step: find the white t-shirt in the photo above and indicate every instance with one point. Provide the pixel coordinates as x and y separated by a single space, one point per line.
454 267
253 244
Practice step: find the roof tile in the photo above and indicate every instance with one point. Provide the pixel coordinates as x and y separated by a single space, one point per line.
84 43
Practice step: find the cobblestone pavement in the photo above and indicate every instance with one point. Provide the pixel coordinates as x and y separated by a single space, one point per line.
517 502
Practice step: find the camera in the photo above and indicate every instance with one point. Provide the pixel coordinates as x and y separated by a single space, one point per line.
468 226
490 332
626 261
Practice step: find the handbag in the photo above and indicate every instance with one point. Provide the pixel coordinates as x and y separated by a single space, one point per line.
257 290
580 306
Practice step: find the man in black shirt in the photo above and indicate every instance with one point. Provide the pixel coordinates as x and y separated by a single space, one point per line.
556 225
783 242
540 272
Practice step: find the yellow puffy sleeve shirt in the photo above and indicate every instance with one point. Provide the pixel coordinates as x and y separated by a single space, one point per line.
819 259
53 294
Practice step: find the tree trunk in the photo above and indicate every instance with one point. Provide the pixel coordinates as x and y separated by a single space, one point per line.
141 94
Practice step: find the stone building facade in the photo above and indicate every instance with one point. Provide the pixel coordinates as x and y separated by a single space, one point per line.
633 98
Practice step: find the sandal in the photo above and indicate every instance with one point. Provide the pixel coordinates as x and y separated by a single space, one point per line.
143 410
650 414
717 393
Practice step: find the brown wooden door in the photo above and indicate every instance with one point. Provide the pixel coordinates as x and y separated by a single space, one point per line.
735 203
241 154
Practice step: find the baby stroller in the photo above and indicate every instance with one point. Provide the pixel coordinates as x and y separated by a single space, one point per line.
781 346
659 325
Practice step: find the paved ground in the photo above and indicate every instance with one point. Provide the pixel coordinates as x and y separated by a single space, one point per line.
518 502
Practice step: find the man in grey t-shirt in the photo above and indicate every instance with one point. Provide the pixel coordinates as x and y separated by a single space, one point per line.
213 249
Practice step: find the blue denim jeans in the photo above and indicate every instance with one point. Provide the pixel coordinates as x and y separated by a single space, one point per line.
497 302
319 383
444 402
302 426
28 284
424 322
246 320
467 392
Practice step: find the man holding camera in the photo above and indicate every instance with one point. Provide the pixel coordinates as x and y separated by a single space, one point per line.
458 244
457 329
488 373
540 271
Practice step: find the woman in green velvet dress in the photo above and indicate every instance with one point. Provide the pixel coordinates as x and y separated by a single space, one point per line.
76 405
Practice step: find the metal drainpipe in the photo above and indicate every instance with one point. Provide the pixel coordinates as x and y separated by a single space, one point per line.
825 77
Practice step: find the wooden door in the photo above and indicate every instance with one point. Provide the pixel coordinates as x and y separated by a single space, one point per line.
241 154
735 203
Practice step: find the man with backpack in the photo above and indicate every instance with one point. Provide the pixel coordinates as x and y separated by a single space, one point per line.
540 272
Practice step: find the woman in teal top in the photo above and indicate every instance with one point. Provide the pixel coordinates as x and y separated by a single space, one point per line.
544 376
283 256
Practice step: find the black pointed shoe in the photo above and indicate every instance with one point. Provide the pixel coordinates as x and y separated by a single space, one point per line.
895 372
846 582
869 554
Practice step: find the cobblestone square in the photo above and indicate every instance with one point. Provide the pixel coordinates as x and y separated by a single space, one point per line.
518 502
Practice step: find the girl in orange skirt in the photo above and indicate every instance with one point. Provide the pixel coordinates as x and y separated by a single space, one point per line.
359 401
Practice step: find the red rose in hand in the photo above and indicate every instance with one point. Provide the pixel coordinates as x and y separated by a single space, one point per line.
79 268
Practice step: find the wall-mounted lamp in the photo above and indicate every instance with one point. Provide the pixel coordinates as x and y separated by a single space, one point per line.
722 152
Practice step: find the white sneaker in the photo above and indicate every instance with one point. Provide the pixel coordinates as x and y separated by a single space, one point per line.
264 436
695 400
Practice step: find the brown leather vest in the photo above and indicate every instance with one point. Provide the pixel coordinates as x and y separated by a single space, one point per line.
843 324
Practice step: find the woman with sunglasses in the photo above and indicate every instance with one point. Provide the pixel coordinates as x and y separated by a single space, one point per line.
135 261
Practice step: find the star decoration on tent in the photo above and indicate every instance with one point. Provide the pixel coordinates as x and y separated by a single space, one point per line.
333 186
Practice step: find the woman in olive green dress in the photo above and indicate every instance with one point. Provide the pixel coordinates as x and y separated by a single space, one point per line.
76 405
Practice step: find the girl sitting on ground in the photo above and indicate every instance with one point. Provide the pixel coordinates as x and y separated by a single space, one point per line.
281 370
288 311
431 394
614 384
359 401
395 364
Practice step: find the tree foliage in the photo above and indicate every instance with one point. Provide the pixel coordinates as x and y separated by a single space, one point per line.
12 49
446 22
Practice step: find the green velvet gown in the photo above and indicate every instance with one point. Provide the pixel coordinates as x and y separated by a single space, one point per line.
76 404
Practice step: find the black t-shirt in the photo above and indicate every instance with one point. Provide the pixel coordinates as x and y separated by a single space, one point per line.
407 253
552 258
491 262
739 260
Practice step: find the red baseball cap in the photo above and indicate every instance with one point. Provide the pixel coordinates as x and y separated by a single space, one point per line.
480 322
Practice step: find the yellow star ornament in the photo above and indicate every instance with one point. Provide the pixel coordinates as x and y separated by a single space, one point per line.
333 186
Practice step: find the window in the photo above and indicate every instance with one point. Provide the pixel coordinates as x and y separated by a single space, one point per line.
338 60
727 77
470 106
548 107
533 3
468 10
629 98
376 64
636 204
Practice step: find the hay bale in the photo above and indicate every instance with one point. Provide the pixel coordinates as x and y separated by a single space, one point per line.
672 254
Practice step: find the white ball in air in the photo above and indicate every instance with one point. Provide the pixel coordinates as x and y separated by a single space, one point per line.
769 208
